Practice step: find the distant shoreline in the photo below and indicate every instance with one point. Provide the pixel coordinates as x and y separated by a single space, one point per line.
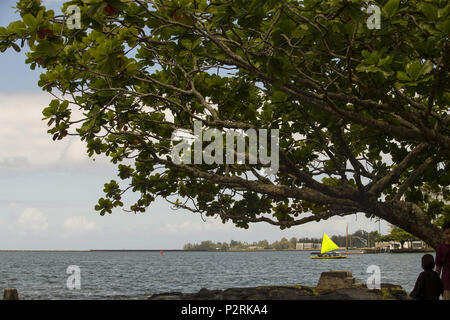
154 250
355 251
99 250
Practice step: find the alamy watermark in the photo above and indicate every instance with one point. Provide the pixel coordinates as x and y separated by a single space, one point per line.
374 21
374 281
74 17
74 280
214 151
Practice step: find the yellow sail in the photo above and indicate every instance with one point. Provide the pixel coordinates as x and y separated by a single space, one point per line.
327 244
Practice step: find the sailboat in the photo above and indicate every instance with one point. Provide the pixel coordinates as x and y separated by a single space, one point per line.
326 251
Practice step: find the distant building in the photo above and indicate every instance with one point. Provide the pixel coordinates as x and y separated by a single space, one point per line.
386 245
389 245
418 245
307 246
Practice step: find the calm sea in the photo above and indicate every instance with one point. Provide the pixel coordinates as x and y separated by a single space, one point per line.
136 275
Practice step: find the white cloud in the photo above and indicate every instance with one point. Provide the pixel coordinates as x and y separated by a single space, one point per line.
14 162
33 221
192 227
22 132
79 225
75 153
24 140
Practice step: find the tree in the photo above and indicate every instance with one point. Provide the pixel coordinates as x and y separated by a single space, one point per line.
362 113
293 242
188 246
282 244
399 235
359 239
373 236
222 246
310 240
203 246
339 240
234 244
263 244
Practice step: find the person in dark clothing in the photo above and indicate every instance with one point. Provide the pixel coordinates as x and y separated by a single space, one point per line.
443 261
428 285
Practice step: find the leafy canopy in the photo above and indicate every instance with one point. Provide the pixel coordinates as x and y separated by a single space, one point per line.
363 113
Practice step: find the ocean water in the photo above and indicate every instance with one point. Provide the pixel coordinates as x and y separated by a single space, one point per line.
136 275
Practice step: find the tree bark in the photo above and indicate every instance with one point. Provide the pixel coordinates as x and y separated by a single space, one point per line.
410 218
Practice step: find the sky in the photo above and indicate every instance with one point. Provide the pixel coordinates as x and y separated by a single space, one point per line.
48 189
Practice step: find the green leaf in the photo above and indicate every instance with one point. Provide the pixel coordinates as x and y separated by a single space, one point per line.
132 67
446 27
92 1
391 8
442 13
301 31
187 44
429 10
278 96
413 69
30 21
15 47
386 60
426 68
403 76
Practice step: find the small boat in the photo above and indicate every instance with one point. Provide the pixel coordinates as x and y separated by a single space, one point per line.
326 252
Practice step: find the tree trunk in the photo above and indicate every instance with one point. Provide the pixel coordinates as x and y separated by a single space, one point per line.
409 217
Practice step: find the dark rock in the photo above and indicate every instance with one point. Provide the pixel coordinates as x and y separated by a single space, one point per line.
296 292
333 285
350 294
10 294
333 280
390 291
166 296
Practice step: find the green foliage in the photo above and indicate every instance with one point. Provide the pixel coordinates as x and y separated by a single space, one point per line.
339 92
398 235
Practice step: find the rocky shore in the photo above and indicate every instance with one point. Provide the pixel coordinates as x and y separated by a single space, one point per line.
333 285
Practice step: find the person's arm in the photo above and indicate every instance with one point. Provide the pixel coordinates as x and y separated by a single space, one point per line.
418 288
438 270
439 261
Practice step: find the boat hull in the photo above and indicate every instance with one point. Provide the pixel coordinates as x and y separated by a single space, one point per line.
331 257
